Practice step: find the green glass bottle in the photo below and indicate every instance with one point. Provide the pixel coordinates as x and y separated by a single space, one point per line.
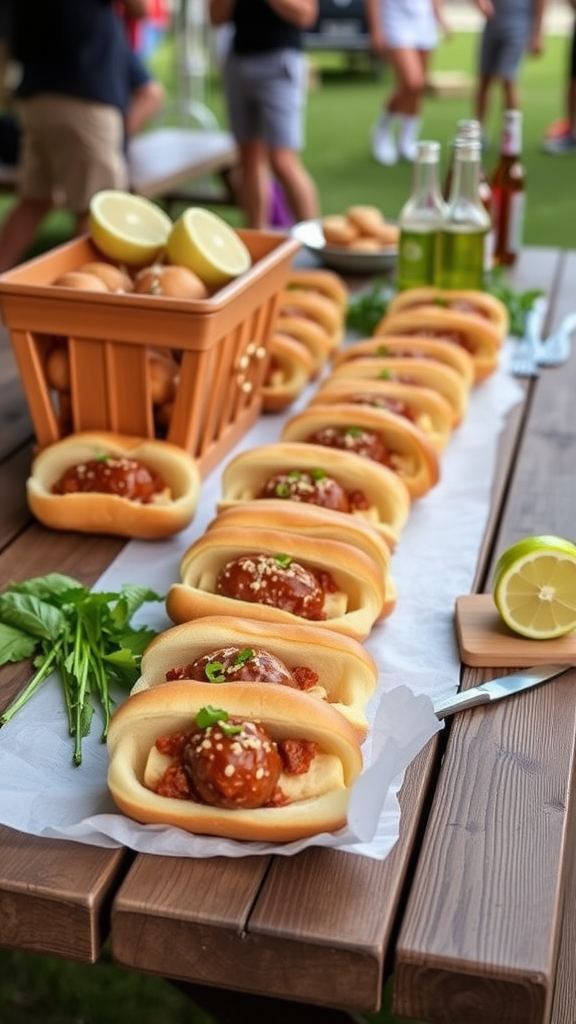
461 262
420 221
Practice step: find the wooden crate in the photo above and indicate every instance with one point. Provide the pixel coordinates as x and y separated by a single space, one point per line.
220 344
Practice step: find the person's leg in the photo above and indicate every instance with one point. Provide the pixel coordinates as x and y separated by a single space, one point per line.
254 183
297 184
404 106
19 229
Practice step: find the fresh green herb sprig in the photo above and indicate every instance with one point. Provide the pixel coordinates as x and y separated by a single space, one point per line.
85 636
366 309
518 303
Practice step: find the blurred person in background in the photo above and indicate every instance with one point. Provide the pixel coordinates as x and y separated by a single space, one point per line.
512 29
71 102
264 75
404 33
561 137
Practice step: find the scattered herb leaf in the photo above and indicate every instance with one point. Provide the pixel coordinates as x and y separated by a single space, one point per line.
366 309
518 303
83 635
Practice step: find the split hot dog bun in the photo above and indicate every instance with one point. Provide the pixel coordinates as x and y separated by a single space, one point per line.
346 675
312 521
308 333
301 302
387 500
317 798
273 562
480 303
290 369
427 409
405 448
324 282
478 337
170 510
411 347
411 370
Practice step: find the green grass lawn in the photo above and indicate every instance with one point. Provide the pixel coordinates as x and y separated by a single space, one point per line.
343 104
341 110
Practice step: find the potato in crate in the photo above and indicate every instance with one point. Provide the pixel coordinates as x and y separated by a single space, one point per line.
187 370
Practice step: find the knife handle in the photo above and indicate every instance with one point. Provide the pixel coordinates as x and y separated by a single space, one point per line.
445 706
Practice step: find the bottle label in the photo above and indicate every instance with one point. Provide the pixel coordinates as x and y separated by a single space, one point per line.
417 258
511 144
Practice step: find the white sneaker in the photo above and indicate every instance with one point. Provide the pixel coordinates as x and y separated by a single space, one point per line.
409 151
384 149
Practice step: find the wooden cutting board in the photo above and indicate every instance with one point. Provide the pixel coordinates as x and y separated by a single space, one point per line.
485 641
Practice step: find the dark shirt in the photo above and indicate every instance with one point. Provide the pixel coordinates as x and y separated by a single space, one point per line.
258 29
71 47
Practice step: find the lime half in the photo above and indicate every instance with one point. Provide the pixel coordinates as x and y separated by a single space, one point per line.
534 587
206 244
128 228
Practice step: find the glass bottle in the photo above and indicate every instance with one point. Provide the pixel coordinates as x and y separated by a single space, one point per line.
467 223
420 220
468 128
509 192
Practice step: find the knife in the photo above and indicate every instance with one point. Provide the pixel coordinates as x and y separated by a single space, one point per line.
496 689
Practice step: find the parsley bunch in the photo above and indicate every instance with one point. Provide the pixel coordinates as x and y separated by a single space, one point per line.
84 636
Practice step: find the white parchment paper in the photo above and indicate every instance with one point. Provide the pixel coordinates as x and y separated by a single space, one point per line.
415 649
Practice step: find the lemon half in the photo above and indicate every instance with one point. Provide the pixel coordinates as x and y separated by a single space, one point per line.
534 587
206 244
128 228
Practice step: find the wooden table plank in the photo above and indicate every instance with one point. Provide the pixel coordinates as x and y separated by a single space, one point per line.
480 936
55 895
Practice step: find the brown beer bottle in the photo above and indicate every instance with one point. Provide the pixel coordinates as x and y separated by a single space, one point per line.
509 192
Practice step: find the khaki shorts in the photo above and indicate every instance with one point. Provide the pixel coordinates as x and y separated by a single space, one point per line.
71 148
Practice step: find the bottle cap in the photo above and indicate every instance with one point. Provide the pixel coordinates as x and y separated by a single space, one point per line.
428 151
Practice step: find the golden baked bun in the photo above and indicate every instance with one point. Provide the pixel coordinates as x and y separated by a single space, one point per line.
115 278
171 281
338 230
83 281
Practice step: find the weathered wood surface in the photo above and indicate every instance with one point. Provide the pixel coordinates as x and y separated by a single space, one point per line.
321 928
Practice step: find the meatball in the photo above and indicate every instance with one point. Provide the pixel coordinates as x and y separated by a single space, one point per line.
278 581
233 764
229 664
352 439
314 487
111 474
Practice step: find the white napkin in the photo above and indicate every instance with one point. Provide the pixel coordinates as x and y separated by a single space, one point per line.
415 649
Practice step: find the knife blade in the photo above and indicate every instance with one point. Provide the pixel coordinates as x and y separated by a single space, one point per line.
495 689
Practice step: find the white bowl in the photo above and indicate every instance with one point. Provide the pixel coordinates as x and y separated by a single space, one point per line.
348 261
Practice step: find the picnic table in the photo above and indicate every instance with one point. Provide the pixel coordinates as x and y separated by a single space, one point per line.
473 911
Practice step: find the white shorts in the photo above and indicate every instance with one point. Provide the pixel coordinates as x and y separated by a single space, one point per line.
409 24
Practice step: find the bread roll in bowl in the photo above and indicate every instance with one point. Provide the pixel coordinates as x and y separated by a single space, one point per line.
351 608
411 347
313 521
462 300
387 500
321 281
427 409
410 370
346 674
405 448
318 798
95 512
478 337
